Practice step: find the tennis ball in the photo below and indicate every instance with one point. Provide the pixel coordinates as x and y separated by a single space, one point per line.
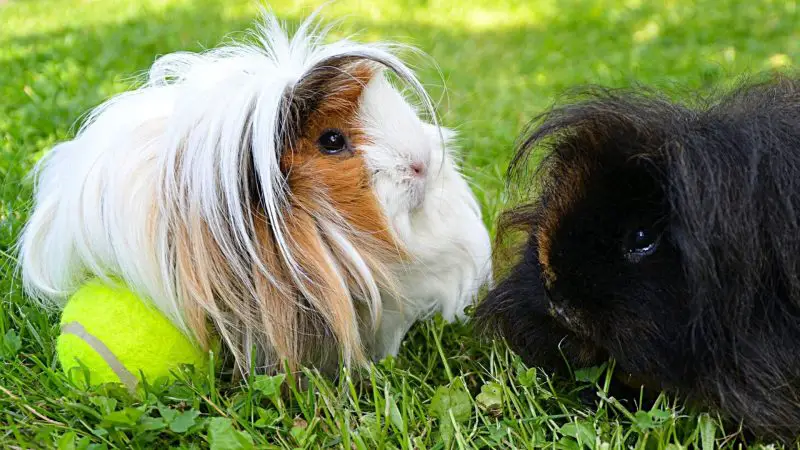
118 337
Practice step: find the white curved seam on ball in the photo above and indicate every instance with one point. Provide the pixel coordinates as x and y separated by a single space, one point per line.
76 329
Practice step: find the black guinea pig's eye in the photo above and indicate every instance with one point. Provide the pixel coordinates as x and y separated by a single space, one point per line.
641 242
332 142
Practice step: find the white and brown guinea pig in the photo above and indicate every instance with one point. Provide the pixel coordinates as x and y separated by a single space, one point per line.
284 191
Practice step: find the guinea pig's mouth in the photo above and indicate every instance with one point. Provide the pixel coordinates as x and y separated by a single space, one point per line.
584 350
416 199
567 317
559 313
416 193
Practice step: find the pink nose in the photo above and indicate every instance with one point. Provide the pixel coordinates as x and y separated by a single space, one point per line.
418 168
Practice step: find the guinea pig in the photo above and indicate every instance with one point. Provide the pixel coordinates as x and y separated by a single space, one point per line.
279 194
665 236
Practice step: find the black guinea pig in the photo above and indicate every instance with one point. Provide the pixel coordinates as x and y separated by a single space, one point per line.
667 237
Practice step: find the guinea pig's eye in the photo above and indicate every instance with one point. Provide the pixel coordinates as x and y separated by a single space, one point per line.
332 142
640 243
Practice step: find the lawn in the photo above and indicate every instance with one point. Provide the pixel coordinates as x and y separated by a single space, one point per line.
502 61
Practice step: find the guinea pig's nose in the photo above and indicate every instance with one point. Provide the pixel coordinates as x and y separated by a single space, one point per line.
418 168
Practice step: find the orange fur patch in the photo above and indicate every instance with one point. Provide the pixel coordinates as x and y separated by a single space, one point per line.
343 180
559 203
321 184
298 307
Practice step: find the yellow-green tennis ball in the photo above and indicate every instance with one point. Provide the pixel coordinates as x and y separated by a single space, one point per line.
117 336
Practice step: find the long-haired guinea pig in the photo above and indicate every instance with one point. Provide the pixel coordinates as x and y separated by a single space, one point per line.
281 194
667 237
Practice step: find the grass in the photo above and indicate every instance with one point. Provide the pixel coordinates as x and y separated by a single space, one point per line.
502 61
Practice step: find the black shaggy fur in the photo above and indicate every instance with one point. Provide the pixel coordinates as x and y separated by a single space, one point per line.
712 310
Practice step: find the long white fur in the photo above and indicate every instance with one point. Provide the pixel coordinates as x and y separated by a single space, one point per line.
106 201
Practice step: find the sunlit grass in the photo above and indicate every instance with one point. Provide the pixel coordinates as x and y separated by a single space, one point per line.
502 62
